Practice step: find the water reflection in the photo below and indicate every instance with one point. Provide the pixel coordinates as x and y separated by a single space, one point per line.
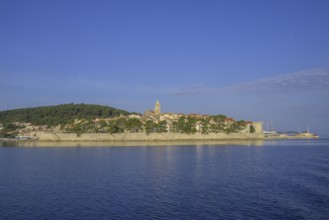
179 180
130 143
296 142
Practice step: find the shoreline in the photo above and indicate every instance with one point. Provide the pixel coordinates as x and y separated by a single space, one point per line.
133 139
143 137
290 138
51 136
258 142
46 137
238 139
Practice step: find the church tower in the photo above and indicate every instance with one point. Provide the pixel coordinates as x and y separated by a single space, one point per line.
157 108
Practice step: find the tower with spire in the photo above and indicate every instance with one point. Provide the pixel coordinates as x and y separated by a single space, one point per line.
157 108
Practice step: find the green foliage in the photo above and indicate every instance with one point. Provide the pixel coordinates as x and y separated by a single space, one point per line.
211 124
9 130
59 115
218 124
149 126
185 125
152 127
205 126
10 127
102 123
133 125
161 127
252 129
82 127
236 126
116 126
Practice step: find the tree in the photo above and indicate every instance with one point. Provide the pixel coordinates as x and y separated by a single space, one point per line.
218 123
133 125
161 126
237 126
185 125
9 130
204 126
252 129
149 126
152 127
117 125
102 123
60 114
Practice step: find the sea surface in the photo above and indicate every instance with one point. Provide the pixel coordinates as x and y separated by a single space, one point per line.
251 180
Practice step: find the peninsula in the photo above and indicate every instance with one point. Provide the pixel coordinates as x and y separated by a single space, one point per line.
99 123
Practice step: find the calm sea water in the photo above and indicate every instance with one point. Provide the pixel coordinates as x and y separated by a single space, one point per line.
270 180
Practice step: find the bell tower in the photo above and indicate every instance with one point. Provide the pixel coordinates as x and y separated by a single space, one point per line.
157 108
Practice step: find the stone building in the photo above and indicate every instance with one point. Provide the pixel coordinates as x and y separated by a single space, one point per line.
157 108
258 126
155 112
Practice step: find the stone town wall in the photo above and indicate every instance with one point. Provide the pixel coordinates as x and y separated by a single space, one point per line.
48 136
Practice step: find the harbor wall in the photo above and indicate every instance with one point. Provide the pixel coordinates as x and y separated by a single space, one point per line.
48 136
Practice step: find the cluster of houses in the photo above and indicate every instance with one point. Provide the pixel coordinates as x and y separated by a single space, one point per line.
29 131
170 118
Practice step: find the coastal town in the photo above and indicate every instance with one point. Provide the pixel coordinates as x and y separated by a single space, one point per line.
147 126
152 121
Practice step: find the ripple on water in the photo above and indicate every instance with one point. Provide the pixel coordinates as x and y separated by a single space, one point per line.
193 182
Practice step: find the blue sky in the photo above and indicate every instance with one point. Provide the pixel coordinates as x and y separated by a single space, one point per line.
253 60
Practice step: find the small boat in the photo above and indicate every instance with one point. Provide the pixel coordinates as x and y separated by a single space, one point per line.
307 135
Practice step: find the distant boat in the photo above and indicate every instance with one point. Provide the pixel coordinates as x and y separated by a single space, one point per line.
270 133
289 135
307 135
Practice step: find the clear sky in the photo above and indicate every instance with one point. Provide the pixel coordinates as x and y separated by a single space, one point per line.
250 59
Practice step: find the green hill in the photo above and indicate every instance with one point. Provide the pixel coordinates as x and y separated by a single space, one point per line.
60 114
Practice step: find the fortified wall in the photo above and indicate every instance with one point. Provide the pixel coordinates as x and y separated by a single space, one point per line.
48 136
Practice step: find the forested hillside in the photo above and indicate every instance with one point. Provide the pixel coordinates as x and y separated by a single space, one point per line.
60 114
